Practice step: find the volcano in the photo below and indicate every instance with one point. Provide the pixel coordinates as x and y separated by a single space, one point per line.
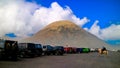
67 33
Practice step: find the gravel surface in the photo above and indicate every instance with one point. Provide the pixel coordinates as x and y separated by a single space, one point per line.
84 60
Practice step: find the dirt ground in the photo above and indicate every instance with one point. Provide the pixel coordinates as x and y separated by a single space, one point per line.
84 60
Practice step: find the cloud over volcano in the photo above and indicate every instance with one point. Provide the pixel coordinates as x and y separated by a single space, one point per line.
24 18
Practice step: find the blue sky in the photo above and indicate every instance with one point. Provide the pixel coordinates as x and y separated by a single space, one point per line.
99 17
106 11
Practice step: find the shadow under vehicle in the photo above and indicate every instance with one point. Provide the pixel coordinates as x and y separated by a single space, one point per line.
8 50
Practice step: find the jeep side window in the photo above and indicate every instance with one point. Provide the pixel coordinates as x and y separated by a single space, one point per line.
7 45
38 46
1 44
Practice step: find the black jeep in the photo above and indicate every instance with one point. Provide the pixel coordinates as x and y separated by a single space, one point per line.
48 50
27 49
38 48
58 50
8 49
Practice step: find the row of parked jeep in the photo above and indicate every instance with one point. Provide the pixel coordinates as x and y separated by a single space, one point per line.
13 50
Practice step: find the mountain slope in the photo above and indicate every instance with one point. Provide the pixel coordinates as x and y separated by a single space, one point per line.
67 33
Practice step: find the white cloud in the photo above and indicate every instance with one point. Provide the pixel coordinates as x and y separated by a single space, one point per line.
44 16
15 16
110 33
95 29
23 18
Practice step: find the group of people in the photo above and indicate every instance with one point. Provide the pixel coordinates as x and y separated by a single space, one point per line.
103 51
